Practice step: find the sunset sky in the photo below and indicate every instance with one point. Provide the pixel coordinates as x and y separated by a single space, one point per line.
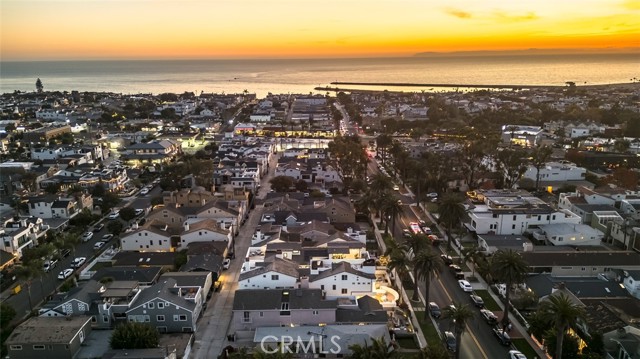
180 29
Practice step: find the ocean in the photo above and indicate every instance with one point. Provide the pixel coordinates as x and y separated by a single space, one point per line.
303 75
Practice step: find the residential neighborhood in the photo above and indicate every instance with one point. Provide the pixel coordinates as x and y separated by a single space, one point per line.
420 224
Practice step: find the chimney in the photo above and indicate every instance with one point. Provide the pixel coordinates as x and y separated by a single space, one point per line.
186 226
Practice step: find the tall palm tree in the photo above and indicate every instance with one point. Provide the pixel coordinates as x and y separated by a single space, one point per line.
508 267
378 349
460 314
391 209
451 212
540 156
561 312
27 273
412 246
472 254
380 183
427 263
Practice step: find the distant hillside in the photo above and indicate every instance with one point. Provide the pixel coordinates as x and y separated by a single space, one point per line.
529 52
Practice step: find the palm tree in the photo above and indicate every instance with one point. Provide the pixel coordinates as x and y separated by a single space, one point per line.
378 349
380 184
472 254
451 214
426 264
27 273
508 267
540 157
390 208
562 313
413 246
433 352
460 314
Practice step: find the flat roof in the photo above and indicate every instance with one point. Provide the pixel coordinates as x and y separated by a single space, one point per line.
38 330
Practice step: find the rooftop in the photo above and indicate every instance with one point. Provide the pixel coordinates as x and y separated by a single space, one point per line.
38 330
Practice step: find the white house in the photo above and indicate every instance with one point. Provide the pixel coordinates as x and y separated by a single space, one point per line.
206 230
153 237
556 171
563 234
281 273
632 283
343 281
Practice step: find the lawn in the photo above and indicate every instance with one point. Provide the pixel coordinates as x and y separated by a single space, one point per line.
489 303
407 342
523 345
428 330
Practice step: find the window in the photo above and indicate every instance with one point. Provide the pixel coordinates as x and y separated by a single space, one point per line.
38 347
515 217
160 318
151 305
160 305
246 317
553 217
261 314
344 277
322 287
513 226
334 287
584 269
15 347
105 319
94 319
182 317
344 290
275 277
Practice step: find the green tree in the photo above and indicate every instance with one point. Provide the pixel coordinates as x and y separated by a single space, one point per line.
7 313
114 227
349 156
427 264
561 313
301 185
391 209
281 183
28 273
510 165
382 142
451 213
133 335
460 314
508 267
412 246
378 349
39 86
127 213
569 347
539 159
433 351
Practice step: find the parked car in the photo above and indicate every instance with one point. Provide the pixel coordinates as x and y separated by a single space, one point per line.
98 245
406 233
107 237
515 354
144 191
226 263
446 259
396 187
488 316
65 252
139 211
426 230
477 300
78 262
98 228
65 274
434 310
450 341
114 215
457 271
502 336
49 265
87 236
465 286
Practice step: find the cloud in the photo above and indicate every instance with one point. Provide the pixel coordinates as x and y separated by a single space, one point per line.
458 13
631 4
504 17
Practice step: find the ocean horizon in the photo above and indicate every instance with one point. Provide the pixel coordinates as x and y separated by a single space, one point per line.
262 76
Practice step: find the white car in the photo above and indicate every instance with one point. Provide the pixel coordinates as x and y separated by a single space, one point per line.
144 191
49 265
65 274
226 263
114 215
87 236
78 262
514 354
107 237
465 285
396 188
139 211
98 245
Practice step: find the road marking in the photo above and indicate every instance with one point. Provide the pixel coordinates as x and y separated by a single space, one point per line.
473 337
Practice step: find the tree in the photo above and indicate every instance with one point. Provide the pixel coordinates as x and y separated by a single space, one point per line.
510 165
508 267
28 273
7 313
561 313
134 335
301 185
349 155
412 247
127 213
451 214
378 349
540 156
427 263
39 86
114 227
281 183
391 209
460 314
433 351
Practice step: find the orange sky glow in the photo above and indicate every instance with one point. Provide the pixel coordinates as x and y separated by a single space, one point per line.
182 29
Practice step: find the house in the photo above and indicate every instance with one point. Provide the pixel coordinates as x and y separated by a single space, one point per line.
204 230
525 136
203 280
580 263
255 308
145 259
563 234
280 273
490 243
632 282
188 197
52 338
622 343
153 236
53 207
144 276
151 153
562 171
168 307
77 301
342 280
